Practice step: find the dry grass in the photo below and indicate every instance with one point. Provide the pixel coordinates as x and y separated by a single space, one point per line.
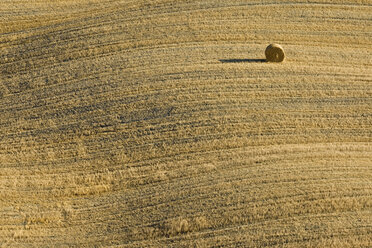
121 127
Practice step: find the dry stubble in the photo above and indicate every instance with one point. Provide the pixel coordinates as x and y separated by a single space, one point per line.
121 127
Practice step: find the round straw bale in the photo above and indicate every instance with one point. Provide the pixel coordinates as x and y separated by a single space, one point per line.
274 53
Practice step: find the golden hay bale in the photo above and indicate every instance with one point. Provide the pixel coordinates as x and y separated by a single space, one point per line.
274 53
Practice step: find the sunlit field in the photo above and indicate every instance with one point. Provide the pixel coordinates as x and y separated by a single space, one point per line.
160 123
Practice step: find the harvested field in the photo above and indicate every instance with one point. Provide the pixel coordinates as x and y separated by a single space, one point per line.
159 123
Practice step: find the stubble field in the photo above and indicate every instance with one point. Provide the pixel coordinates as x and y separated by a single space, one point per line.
158 123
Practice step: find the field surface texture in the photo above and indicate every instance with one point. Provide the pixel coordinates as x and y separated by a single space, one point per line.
159 123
